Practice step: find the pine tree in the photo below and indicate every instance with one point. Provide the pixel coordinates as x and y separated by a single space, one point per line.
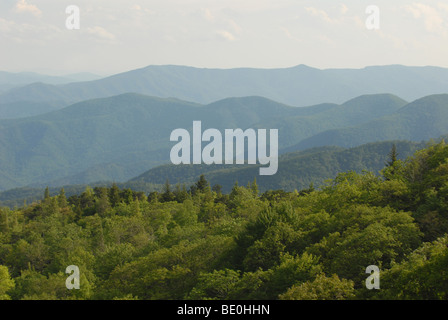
62 199
47 193
218 189
234 191
153 197
391 165
202 184
87 201
127 195
307 190
167 194
254 187
180 193
393 156
114 195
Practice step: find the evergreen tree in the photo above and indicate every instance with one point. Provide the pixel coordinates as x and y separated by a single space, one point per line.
167 194
127 195
87 201
202 184
393 156
114 195
180 193
218 189
254 187
234 191
391 165
62 199
153 197
308 190
46 193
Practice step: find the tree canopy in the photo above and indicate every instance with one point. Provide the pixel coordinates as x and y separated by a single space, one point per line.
201 243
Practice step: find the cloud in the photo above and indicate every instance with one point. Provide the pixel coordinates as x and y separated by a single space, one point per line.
101 33
320 14
443 6
23 6
35 33
235 27
289 35
6 25
343 8
213 24
139 8
431 17
226 35
207 14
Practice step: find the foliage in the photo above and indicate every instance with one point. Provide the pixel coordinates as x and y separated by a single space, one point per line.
200 243
321 288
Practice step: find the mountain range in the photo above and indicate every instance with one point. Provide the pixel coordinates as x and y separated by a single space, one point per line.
296 86
120 137
19 109
422 119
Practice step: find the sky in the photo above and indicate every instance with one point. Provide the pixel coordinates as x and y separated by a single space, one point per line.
121 35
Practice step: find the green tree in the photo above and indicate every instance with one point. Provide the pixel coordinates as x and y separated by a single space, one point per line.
218 189
46 193
292 270
423 275
393 156
114 195
202 184
62 199
218 285
167 194
102 204
6 283
180 193
254 187
321 288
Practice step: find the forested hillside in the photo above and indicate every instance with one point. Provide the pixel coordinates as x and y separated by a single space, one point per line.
200 243
419 120
118 138
297 170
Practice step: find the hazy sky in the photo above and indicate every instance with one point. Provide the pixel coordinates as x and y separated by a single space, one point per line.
119 35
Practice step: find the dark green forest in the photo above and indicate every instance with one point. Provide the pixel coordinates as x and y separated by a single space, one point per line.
198 242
